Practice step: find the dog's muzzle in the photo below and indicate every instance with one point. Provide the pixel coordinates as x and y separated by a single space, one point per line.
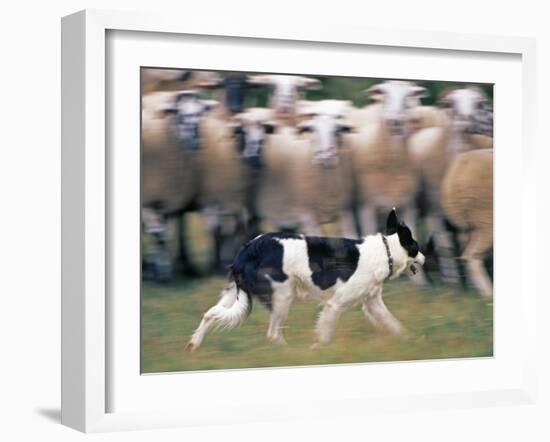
419 259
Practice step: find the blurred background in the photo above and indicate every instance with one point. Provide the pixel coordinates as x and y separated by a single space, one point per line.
228 155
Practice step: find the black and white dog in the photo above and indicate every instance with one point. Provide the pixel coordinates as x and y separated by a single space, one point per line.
279 267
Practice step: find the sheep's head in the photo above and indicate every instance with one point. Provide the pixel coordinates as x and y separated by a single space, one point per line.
463 105
325 131
251 129
287 89
187 109
235 86
411 250
397 99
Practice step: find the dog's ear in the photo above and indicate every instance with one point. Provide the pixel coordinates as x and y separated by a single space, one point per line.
391 223
405 235
406 240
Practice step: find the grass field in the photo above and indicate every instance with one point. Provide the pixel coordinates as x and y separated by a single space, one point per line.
439 324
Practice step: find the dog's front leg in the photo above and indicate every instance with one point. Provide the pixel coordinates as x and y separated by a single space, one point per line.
326 323
378 314
329 316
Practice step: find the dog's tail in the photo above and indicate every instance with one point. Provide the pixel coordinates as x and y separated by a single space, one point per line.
235 303
230 311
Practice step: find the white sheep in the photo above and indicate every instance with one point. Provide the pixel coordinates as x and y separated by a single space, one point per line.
226 181
170 175
442 133
307 180
467 199
287 92
384 172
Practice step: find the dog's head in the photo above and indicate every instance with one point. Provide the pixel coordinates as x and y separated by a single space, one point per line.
412 251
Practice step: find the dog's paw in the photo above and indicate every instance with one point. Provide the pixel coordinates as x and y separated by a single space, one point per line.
190 347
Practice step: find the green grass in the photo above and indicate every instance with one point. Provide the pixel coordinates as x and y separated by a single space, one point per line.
439 323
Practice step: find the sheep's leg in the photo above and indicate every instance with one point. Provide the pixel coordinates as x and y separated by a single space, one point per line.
158 256
282 298
184 260
231 239
215 224
445 250
368 219
409 216
479 243
347 224
309 224
378 313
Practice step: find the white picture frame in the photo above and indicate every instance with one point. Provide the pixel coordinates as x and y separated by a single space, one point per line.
86 204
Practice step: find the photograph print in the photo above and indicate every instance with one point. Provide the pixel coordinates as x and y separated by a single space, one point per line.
302 220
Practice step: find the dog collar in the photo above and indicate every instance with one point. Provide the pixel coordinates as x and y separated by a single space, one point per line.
390 258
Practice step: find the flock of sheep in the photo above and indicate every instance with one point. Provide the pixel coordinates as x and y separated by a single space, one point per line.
299 165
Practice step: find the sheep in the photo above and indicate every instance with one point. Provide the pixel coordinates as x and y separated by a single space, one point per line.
306 179
170 170
287 91
467 199
442 133
229 183
226 182
384 172
223 187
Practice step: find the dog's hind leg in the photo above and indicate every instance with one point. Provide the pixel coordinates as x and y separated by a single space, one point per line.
199 334
283 295
379 315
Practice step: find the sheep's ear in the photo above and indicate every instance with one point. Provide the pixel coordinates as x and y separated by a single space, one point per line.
310 83
391 223
187 94
420 92
375 93
259 80
444 99
211 83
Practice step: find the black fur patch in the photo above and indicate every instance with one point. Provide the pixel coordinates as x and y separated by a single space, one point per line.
407 241
405 236
331 259
257 262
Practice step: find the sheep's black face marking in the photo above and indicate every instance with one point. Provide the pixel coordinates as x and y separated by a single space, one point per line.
331 259
235 92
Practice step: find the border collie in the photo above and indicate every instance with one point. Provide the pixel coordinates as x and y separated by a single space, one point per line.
276 268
